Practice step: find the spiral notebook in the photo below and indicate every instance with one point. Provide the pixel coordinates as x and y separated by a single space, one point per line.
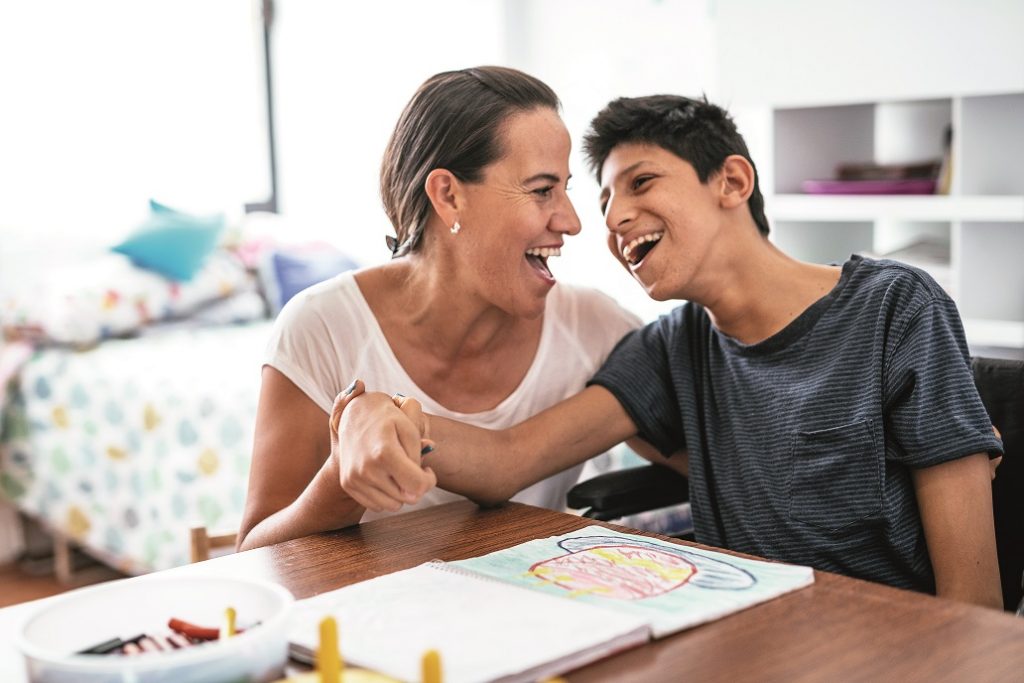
537 609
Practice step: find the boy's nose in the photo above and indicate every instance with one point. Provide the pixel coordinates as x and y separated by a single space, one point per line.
617 215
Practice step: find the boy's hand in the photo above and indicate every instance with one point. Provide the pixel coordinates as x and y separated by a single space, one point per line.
377 441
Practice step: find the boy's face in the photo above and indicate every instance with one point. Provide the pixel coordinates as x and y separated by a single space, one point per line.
661 218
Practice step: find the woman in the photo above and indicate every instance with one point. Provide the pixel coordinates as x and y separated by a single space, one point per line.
466 315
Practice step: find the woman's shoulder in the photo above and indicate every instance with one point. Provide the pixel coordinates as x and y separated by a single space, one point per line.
335 297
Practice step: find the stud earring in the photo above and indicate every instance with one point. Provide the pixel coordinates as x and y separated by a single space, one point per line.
456 228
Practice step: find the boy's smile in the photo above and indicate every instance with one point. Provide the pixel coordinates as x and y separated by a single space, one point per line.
639 247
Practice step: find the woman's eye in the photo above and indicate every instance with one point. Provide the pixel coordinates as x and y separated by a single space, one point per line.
544 192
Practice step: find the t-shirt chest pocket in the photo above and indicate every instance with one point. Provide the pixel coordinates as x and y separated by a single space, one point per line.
836 477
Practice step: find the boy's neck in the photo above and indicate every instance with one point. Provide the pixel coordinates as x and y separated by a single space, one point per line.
761 290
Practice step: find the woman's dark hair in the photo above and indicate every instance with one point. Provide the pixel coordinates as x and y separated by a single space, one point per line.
453 122
694 130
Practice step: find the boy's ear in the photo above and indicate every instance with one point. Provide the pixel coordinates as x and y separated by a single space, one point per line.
445 194
736 180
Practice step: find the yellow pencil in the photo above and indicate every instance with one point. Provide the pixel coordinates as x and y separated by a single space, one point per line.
328 656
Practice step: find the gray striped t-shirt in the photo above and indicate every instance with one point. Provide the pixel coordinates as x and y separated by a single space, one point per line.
801 445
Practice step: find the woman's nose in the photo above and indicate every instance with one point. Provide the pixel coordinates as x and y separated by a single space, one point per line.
565 218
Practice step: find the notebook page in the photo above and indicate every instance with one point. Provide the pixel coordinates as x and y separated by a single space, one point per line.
485 630
670 586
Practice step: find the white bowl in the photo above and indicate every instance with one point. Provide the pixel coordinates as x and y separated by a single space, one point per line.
78 620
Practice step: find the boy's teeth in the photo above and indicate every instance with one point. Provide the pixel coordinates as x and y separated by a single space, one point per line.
628 249
544 252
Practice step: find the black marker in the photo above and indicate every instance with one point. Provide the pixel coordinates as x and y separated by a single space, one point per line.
108 646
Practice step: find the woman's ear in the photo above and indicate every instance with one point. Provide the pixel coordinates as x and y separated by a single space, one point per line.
445 194
737 181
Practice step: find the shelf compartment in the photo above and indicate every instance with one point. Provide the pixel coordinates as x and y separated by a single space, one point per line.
991 145
991 283
810 143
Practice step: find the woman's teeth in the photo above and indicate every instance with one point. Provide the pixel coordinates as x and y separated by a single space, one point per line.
538 257
632 251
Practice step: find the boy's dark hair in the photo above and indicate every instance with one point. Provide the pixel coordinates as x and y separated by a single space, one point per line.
694 130
454 121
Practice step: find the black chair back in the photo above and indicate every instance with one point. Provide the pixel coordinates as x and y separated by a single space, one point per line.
1001 386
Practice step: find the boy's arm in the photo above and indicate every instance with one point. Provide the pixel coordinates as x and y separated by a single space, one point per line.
680 460
490 467
955 500
382 466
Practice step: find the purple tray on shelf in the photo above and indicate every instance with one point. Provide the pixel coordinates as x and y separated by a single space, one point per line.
908 186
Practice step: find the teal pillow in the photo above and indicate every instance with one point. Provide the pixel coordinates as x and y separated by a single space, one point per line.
172 243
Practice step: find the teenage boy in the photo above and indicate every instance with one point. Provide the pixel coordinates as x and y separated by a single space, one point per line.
825 415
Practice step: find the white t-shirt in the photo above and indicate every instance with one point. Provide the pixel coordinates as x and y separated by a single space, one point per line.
327 336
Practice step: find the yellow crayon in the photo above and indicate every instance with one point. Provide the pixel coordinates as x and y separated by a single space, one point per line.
431 667
328 656
329 665
228 629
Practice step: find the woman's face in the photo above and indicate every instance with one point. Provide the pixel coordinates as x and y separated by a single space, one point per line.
517 217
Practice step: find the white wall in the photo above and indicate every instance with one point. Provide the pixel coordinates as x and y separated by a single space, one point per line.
344 71
809 52
105 104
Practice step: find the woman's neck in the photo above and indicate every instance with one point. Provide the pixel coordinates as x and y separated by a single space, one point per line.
466 354
427 302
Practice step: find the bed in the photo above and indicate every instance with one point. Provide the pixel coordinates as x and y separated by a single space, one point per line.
124 447
128 391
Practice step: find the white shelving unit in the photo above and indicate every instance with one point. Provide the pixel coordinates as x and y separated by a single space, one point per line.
974 235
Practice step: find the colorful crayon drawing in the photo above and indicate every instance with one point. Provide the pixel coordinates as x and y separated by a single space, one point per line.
632 569
669 585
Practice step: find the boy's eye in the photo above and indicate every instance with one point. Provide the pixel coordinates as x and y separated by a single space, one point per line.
640 180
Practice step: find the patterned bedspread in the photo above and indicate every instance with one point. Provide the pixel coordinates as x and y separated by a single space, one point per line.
126 446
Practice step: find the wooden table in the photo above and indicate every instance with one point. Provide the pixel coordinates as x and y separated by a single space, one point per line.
839 629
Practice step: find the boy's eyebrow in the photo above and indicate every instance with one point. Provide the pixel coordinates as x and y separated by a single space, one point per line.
629 169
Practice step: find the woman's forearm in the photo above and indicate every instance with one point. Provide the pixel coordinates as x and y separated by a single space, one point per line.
322 506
